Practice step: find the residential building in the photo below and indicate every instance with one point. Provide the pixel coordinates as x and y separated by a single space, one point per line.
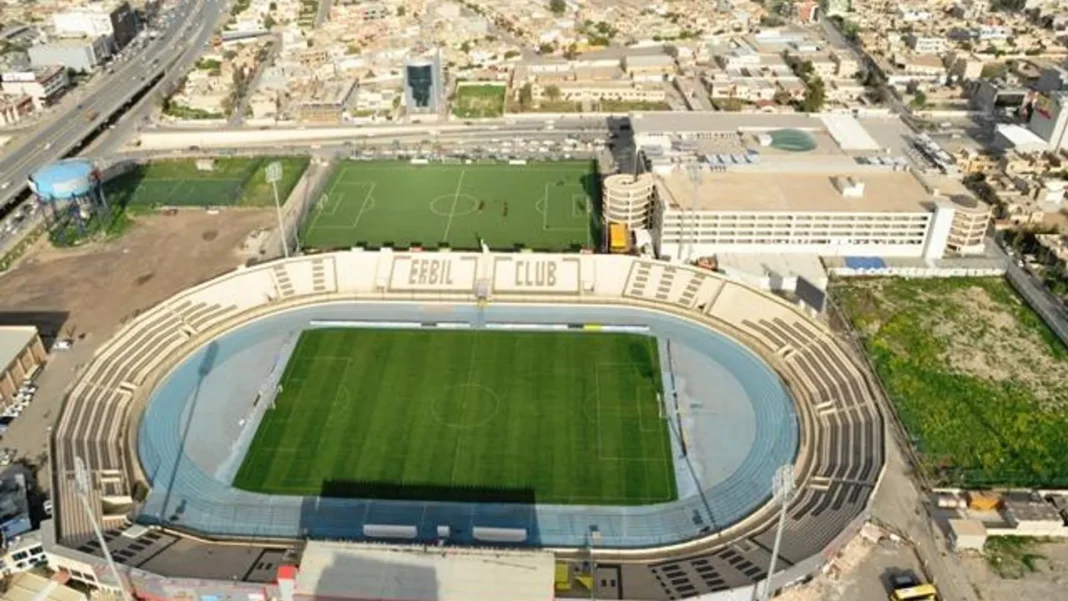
14 108
80 54
1049 119
33 587
992 33
14 502
923 44
42 85
325 103
595 90
846 63
21 356
114 19
650 68
22 553
967 68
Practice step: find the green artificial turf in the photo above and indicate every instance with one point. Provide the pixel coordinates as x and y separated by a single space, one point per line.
467 415
544 206
178 183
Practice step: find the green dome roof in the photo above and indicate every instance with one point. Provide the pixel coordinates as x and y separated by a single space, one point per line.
793 140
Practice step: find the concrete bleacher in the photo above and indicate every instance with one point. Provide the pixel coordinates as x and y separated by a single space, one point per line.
840 472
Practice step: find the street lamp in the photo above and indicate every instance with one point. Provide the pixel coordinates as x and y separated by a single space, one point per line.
81 481
274 175
782 490
694 170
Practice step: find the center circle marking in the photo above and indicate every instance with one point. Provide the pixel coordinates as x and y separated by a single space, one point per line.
443 206
465 406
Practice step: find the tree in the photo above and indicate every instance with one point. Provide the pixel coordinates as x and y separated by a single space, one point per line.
526 95
401 11
782 97
553 92
558 6
919 100
465 47
511 54
814 96
268 22
546 48
572 52
273 6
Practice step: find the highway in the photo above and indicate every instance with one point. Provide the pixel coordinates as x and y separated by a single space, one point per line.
83 110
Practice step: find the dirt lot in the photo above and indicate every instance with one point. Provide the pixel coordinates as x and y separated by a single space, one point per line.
87 293
93 289
1048 582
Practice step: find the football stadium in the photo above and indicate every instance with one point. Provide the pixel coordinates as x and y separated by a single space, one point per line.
546 423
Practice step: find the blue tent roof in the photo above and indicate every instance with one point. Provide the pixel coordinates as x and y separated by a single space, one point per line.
64 179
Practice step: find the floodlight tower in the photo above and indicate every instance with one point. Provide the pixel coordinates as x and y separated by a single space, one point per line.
81 480
782 490
694 170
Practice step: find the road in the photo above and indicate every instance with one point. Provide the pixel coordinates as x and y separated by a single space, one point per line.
238 116
102 96
323 13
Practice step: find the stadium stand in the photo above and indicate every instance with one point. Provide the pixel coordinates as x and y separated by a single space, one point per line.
838 465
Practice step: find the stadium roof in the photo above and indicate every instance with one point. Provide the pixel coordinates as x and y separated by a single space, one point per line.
12 340
339 570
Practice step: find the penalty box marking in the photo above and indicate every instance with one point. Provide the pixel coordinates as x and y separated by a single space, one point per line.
638 399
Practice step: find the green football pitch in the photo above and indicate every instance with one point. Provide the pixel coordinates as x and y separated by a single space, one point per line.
178 183
544 206
564 418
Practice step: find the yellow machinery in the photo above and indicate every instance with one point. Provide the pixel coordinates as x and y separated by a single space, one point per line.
908 588
618 239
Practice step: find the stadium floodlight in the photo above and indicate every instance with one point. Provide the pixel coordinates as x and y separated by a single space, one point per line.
694 170
782 490
81 481
274 175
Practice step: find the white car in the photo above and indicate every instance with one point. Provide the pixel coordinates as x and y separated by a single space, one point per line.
5 185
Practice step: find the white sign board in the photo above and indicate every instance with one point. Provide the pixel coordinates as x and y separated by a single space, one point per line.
531 273
274 172
429 271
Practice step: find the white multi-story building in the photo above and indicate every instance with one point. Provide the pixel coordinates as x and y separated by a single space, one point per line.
788 185
42 85
115 20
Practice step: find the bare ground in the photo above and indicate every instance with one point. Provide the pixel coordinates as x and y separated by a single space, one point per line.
100 286
1049 582
88 292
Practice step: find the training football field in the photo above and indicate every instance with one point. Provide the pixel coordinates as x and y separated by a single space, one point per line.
544 206
563 418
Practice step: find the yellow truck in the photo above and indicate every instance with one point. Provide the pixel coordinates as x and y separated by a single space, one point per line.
908 588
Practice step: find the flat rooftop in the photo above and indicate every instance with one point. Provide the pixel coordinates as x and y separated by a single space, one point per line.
761 190
670 122
410 574
12 340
